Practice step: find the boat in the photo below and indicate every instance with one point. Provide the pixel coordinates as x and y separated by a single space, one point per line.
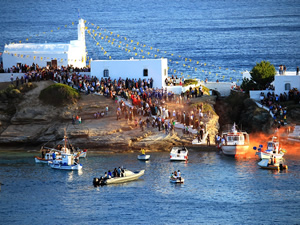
177 180
63 146
272 164
67 162
235 142
127 176
273 149
143 156
179 154
48 156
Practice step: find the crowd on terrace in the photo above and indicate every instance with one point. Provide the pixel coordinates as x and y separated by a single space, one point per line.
273 101
139 98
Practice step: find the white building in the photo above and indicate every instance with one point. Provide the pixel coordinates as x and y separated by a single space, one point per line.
281 83
284 83
157 69
52 54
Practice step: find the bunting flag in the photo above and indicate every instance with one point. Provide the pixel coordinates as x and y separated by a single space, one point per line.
178 64
137 49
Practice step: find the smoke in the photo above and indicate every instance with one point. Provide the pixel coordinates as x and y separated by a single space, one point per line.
256 139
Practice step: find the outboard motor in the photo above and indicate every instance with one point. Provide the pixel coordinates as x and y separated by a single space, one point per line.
280 166
96 181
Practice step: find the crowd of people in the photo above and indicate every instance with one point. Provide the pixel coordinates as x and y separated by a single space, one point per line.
141 100
24 68
272 102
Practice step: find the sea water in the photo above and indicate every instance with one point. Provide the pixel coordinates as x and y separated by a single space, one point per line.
222 38
217 190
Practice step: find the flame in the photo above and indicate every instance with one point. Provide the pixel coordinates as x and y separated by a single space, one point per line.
256 139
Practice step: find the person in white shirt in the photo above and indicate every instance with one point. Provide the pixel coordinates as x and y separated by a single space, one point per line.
178 174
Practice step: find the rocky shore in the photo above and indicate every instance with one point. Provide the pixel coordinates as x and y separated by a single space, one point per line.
34 124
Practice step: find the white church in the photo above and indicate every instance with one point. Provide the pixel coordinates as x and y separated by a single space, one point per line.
48 54
157 69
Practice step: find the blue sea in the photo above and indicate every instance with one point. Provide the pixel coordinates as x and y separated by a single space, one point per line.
217 40
217 190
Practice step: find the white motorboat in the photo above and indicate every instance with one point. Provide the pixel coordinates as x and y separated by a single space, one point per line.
272 164
235 142
127 176
143 156
273 149
179 154
67 162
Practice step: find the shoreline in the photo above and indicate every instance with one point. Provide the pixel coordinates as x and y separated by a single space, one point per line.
201 148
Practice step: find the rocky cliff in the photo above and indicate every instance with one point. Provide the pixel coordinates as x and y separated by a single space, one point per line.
239 109
34 124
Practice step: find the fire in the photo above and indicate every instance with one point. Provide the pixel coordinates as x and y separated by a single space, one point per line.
256 139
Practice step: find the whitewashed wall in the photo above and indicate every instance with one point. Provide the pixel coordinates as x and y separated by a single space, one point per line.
255 95
134 68
281 80
10 61
223 88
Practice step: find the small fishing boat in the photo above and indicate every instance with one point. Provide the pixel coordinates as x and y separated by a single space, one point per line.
177 180
63 146
273 149
179 154
235 142
273 164
48 156
67 162
143 156
127 176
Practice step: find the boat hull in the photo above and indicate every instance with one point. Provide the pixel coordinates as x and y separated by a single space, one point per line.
127 177
41 160
179 154
234 150
177 181
82 154
265 155
65 167
264 164
132 177
143 157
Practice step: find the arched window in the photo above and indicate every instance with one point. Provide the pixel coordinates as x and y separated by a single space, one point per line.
287 86
105 73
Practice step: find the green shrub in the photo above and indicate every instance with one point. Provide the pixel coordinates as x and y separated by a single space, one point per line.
189 82
208 108
59 95
27 87
14 93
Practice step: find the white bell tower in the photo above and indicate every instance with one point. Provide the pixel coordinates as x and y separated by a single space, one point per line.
81 30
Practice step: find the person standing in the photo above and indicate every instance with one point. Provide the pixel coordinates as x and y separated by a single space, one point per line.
17 81
12 79
297 71
208 140
106 110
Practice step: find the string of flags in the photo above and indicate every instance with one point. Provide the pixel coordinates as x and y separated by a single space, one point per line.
41 58
179 65
138 51
150 48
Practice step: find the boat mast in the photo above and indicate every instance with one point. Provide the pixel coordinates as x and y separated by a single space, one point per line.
65 137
